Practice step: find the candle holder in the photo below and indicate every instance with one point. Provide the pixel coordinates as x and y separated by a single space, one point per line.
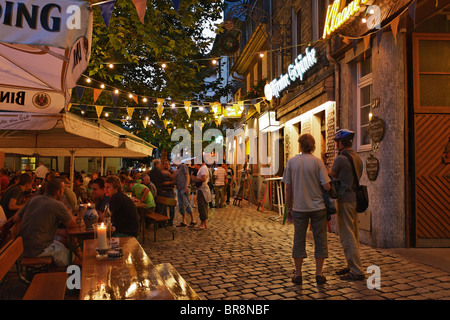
102 238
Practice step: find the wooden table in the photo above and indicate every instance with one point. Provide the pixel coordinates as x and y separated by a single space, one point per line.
133 277
141 211
76 237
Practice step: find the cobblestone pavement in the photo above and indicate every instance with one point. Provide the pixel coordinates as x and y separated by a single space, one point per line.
246 255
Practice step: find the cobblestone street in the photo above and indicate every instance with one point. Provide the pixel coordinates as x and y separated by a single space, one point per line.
246 255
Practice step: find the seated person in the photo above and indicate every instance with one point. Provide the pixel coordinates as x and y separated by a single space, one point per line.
99 196
124 216
142 194
40 219
12 200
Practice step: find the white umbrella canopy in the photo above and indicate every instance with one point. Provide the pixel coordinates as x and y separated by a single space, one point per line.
44 49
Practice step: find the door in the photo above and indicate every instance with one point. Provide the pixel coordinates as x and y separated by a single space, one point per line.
432 139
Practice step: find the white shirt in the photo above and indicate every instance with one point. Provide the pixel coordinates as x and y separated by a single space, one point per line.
203 171
41 171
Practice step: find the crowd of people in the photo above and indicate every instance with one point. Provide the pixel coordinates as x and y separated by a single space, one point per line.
45 204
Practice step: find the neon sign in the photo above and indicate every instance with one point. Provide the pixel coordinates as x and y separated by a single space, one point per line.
295 70
335 19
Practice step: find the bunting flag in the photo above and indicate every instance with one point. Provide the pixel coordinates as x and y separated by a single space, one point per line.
258 107
114 98
130 112
219 120
187 106
394 27
176 4
355 45
160 109
144 123
141 6
165 123
80 91
99 110
149 103
69 106
246 107
241 105
379 34
135 98
97 93
106 9
169 130
366 42
412 11
346 40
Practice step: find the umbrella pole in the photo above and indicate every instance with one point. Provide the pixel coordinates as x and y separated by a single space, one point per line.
101 168
72 167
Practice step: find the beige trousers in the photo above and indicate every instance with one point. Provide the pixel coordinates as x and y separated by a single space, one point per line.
347 219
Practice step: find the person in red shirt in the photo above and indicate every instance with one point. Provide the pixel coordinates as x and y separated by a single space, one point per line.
4 180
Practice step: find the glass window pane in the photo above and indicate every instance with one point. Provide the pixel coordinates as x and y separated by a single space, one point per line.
366 67
435 90
365 93
365 138
365 115
429 51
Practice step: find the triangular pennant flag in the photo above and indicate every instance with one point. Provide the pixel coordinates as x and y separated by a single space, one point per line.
130 112
135 98
169 130
366 42
141 6
165 123
80 91
106 9
114 97
394 27
149 103
187 106
176 4
346 40
258 107
144 123
246 106
69 106
115 111
99 110
355 46
97 93
219 120
412 11
160 106
379 34
253 101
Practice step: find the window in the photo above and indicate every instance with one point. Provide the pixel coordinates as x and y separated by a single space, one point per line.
431 75
319 12
363 102
295 33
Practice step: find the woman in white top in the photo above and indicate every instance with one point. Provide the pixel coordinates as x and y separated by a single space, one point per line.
304 175
203 194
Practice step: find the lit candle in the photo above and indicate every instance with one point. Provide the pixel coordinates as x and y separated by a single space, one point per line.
102 238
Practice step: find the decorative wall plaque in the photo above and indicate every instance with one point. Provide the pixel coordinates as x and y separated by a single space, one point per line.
376 129
372 167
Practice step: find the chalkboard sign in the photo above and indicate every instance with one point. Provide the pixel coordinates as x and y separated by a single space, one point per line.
372 167
240 187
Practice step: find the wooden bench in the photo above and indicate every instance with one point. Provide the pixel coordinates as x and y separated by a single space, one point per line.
158 218
44 286
31 264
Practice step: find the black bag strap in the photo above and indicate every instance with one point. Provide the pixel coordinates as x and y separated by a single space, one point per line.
355 176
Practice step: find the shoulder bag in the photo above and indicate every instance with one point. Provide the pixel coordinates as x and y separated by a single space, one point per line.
362 197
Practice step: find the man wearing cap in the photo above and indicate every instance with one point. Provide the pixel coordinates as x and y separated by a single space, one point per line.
347 217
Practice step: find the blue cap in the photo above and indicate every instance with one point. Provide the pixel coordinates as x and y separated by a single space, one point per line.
344 134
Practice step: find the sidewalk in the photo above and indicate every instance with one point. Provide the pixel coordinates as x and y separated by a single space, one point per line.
245 255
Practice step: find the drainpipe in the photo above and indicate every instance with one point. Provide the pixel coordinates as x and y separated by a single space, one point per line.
337 88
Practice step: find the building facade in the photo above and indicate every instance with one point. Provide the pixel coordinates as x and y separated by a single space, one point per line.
369 66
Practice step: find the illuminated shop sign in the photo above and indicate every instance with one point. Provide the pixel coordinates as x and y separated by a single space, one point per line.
296 71
335 19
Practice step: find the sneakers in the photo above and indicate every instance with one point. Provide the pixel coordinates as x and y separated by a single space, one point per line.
320 279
